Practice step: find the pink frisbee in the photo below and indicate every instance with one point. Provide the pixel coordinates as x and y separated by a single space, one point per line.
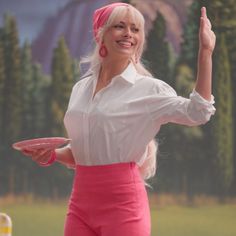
41 143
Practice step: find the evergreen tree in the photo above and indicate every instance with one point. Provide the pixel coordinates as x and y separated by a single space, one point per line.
189 46
40 97
223 14
12 84
223 119
34 89
157 53
27 92
229 28
62 82
191 160
11 116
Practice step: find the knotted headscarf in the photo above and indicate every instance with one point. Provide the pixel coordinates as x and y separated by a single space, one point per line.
101 16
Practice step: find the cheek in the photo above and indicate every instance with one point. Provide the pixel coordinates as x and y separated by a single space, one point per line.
112 38
138 41
115 35
136 45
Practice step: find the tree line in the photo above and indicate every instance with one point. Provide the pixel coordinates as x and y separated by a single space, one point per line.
32 105
200 159
191 160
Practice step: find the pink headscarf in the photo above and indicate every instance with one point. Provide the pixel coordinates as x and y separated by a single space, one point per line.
101 16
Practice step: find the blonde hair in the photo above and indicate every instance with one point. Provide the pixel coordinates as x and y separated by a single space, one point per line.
148 168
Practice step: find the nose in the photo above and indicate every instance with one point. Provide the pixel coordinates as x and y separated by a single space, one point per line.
128 33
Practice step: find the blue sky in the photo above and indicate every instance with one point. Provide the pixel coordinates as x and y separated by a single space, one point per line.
31 14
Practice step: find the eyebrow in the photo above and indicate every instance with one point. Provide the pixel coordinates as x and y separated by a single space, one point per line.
124 23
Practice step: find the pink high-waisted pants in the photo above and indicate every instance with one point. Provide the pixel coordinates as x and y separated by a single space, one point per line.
108 200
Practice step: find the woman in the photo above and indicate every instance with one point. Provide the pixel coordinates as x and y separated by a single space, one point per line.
114 113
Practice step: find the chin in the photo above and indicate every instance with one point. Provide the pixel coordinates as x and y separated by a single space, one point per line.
123 56
124 53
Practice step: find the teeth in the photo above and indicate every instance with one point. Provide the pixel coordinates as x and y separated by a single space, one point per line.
124 43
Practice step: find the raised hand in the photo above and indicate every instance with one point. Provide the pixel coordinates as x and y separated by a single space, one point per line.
207 38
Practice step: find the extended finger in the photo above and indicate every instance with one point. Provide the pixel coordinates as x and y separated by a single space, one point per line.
204 16
203 12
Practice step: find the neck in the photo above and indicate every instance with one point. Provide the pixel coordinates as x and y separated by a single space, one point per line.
111 68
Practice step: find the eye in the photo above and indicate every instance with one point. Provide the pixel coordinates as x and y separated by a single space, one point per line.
119 26
135 30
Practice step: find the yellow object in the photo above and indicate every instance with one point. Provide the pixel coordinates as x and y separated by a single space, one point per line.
5 225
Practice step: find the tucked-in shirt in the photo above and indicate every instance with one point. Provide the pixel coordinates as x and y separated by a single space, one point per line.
123 117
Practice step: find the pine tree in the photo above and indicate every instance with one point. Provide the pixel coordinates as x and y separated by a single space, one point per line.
40 97
191 159
12 102
230 31
223 120
62 82
189 46
27 92
223 14
12 84
157 53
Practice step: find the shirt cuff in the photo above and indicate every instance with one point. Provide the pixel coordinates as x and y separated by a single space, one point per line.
202 103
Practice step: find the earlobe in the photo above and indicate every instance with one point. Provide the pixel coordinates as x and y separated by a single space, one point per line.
103 50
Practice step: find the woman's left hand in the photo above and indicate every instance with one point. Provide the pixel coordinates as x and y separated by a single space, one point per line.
207 38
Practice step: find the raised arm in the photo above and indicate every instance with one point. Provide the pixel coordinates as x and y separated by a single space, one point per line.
207 41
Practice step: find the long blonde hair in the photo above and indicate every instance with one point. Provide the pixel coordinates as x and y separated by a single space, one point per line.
148 168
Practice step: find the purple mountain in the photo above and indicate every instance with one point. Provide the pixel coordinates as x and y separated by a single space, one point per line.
74 22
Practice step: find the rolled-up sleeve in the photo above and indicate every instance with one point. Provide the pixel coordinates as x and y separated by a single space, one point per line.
199 108
166 106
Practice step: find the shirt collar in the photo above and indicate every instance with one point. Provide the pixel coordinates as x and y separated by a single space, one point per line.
129 74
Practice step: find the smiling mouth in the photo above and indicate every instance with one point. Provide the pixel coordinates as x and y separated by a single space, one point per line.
125 44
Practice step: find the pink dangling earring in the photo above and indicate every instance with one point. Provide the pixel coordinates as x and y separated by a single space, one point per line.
103 51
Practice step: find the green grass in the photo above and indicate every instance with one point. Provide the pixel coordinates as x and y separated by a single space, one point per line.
47 219
217 220
36 219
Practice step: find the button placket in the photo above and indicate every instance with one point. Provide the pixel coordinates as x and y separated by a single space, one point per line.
91 104
86 135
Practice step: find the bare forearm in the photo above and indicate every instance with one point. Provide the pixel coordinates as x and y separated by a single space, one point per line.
204 74
65 156
207 40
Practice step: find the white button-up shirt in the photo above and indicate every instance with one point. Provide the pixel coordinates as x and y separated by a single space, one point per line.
118 123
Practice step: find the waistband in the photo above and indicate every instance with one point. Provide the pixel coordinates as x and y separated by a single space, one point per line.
108 167
124 172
